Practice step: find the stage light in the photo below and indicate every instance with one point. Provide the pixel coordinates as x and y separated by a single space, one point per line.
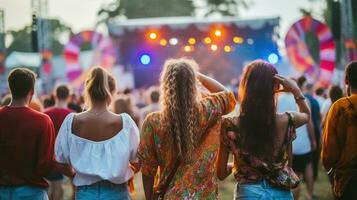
238 40
145 59
214 47
227 48
152 35
163 42
207 40
192 41
273 58
187 48
173 41
217 33
250 41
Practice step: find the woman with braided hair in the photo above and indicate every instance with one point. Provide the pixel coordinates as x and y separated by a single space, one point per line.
182 139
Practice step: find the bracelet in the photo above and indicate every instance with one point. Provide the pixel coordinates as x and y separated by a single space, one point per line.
299 98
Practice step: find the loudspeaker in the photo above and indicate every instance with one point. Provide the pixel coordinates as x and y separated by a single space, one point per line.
336 19
34 39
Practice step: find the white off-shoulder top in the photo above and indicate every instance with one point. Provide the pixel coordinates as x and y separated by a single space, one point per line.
94 161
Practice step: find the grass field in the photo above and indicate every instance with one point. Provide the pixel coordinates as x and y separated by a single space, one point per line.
322 189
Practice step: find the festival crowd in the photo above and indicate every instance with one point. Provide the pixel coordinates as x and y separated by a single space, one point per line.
271 132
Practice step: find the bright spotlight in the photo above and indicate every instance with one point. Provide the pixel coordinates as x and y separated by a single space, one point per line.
250 41
145 59
238 40
273 58
214 47
173 41
227 48
187 48
217 33
152 35
192 41
163 42
207 40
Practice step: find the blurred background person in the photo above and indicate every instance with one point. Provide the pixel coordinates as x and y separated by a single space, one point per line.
122 104
153 104
335 93
58 113
308 90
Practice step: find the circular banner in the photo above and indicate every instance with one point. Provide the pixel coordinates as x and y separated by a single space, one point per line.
103 54
300 56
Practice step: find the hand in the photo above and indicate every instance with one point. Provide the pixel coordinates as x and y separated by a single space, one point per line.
288 85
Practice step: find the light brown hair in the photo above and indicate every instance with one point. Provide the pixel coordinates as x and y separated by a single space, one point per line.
99 86
179 105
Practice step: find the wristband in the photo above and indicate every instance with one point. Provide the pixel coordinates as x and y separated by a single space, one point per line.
299 98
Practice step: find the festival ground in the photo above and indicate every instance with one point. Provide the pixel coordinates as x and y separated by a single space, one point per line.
322 188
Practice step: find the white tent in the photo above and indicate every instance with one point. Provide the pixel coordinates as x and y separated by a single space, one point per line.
22 59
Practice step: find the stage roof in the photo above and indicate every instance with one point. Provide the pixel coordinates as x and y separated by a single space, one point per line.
117 27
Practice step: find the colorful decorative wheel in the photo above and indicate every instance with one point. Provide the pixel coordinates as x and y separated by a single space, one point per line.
300 56
103 54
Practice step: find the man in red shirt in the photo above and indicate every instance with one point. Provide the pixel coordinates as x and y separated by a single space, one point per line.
26 143
58 113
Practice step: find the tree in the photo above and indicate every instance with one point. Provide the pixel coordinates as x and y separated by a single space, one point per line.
146 8
225 7
165 8
21 39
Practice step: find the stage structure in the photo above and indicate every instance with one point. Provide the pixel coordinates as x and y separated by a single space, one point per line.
220 46
41 33
2 41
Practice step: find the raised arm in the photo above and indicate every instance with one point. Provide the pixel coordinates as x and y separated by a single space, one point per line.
211 84
300 118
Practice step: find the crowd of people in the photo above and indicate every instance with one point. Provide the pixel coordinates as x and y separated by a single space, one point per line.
179 135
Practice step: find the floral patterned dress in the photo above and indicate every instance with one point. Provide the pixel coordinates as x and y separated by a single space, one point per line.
248 168
195 179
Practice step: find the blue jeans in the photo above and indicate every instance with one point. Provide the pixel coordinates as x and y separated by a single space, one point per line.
23 193
261 190
103 190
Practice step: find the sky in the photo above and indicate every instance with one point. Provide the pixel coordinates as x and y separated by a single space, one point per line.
81 14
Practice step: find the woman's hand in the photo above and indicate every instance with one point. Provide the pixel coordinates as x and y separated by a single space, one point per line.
288 85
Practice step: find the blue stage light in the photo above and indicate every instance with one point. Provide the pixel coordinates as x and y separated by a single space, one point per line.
273 58
145 59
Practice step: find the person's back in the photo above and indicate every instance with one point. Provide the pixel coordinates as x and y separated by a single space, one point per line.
259 138
21 129
98 143
58 113
184 120
26 143
339 149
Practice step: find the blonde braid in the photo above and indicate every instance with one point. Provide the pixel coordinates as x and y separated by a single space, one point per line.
179 100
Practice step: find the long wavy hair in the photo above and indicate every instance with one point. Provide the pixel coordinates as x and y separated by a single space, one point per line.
258 109
179 100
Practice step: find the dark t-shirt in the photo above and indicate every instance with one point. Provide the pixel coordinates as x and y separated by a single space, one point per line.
26 147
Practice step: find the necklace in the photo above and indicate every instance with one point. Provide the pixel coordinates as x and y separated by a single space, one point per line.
97 113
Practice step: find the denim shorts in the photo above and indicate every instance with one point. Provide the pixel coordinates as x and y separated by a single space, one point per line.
23 193
103 190
260 190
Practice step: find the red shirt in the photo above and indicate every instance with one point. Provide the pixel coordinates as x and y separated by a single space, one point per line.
26 147
57 116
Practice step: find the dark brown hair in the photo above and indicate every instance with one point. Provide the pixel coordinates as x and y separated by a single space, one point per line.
62 92
21 82
258 110
351 74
